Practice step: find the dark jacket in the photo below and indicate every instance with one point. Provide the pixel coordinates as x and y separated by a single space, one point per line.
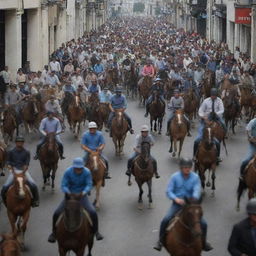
241 240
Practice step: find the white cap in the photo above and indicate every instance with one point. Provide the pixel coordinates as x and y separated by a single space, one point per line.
92 125
144 128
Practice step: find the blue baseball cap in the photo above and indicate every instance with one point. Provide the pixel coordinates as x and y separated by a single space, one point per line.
78 162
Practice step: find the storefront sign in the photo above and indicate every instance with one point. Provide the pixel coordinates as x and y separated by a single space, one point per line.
243 15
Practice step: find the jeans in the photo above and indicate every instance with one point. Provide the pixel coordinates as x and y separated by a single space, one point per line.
86 157
150 99
170 116
126 116
251 153
86 204
174 209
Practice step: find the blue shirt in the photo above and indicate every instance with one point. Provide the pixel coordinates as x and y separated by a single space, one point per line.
94 88
50 125
251 128
18 158
105 97
98 68
92 140
76 183
118 102
69 88
180 187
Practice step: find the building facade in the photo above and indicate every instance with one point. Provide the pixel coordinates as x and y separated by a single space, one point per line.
32 29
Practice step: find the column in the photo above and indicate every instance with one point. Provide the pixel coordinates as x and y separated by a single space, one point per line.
237 36
13 41
34 39
45 35
230 35
51 38
61 36
71 15
253 35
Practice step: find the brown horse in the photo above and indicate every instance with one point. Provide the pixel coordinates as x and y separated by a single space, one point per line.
206 158
103 114
249 181
207 83
9 124
76 115
191 104
49 157
74 229
143 172
97 167
245 98
144 86
3 158
169 86
94 105
18 204
184 235
111 77
119 129
178 130
156 111
9 245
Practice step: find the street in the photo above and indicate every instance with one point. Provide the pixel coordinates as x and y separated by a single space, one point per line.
127 230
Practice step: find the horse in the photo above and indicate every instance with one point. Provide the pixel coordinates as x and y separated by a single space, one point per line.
49 157
156 111
112 77
143 172
206 158
231 111
184 235
93 111
66 101
145 84
191 104
98 168
76 115
178 131
18 204
119 129
248 182
169 86
103 114
3 158
74 228
29 114
207 84
9 124
9 245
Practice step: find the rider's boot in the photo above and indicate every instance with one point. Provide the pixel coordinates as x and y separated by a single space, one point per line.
3 194
188 126
37 152
99 236
128 172
52 236
61 151
206 245
158 246
155 170
107 171
147 110
35 193
168 129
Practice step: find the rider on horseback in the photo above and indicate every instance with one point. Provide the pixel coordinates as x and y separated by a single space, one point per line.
118 101
211 109
94 87
77 179
53 105
144 137
50 124
183 184
93 140
148 69
158 88
176 103
105 95
18 160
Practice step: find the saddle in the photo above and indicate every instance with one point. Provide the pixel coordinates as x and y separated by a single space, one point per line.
172 222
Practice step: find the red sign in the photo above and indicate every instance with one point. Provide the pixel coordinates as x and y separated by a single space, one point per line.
243 15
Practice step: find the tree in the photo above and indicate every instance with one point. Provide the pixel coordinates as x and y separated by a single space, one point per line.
138 7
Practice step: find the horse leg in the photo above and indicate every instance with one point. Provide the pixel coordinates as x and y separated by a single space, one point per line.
250 193
180 144
53 176
171 147
155 125
151 123
90 245
213 181
150 200
175 148
12 220
97 200
62 252
160 121
140 201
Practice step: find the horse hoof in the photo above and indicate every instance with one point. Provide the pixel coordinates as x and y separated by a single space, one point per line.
129 183
208 184
173 154
238 209
150 206
140 206
2 174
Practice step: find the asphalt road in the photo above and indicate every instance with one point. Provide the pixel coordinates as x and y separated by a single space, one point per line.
127 230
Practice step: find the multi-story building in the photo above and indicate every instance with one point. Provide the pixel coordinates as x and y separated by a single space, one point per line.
31 29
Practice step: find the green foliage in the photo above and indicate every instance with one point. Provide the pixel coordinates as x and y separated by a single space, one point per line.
138 7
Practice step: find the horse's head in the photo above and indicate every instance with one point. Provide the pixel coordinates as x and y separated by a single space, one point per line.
19 184
119 117
191 216
145 151
77 101
73 212
179 116
208 135
94 158
51 141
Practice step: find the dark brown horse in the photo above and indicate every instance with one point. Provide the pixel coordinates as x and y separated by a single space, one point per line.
111 77
206 158
156 111
143 172
94 105
144 86
49 157
103 114
9 245
249 182
207 83
97 167
74 230
119 128
178 131
184 235
191 104
75 115
3 158
18 204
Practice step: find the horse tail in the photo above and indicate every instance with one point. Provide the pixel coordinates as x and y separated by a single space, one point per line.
225 146
240 189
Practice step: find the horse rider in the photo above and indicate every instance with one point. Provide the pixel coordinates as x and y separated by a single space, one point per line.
77 179
94 87
251 133
156 87
242 241
68 87
92 141
176 103
119 102
148 69
141 138
105 95
50 124
53 105
183 184
211 109
18 161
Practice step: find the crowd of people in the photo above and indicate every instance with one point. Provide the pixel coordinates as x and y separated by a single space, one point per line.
156 49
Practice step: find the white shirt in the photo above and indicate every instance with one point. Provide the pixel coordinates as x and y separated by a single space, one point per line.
6 76
55 66
206 107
